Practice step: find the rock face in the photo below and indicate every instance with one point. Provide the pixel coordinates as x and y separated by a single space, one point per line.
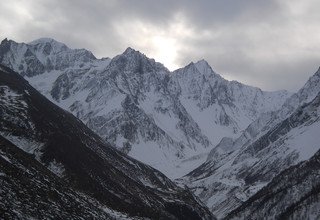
236 169
137 105
53 166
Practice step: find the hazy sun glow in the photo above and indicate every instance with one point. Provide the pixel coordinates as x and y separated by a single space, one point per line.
165 51
161 44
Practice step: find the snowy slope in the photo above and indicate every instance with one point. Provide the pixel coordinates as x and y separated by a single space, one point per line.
220 107
267 120
236 169
60 147
293 194
140 107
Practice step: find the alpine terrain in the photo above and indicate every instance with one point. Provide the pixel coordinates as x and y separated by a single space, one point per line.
138 105
242 152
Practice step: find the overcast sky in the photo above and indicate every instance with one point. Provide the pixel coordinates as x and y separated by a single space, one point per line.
272 44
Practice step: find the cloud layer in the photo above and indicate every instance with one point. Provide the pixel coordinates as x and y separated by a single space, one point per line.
270 44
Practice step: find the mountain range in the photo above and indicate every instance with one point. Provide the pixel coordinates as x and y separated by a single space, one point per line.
138 105
244 152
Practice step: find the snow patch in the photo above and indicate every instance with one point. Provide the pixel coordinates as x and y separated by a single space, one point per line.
2 154
162 157
305 140
208 121
56 168
29 146
2 69
43 82
116 214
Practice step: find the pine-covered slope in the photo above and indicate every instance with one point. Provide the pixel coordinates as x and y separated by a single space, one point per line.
236 169
78 164
137 105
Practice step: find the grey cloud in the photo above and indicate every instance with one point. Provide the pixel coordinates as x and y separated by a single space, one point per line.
253 41
280 75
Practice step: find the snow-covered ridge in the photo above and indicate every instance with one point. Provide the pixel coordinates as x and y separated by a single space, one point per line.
45 40
43 55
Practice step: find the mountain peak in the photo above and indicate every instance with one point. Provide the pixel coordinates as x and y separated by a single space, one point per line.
130 50
4 41
314 78
51 41
201 66
42 40
202 62
133 54
318 72
204 67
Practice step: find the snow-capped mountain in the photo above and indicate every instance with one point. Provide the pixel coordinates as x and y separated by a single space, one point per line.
236 169
221 108
53 166
169 120
43 55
